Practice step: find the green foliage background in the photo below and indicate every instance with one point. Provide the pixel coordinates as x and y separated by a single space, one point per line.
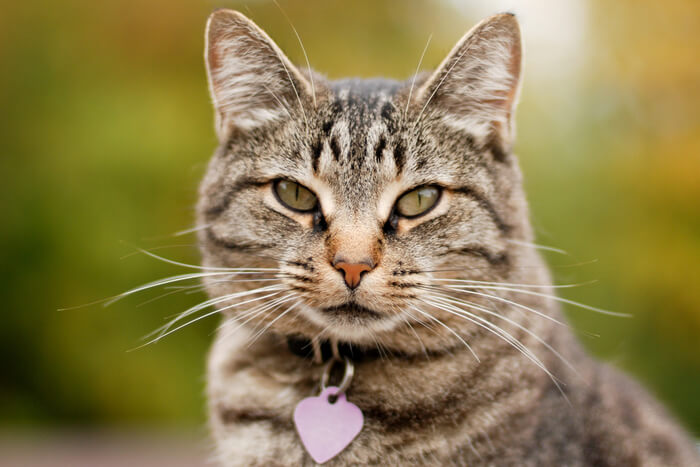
105 129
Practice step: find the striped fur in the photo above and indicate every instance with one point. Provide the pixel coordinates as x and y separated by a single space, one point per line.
446 390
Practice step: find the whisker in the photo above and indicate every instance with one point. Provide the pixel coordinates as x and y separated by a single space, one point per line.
185 287
554 297
498 331
206 315
419 321
449 299
382 346
382 353
503 334
187 290
266 309
431 317
538 286
161 247
420 341
196 228
194 266
259 310
279 101
109 300
192 289
167 280
413 330
247 313
291 81
447 73
488 268
422 323
413 83
217 300
539 247
303 49
500 299
269 325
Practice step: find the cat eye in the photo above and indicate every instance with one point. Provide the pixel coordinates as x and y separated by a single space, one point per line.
418 202
295 196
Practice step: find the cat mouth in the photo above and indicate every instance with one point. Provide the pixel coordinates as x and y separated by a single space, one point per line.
352 310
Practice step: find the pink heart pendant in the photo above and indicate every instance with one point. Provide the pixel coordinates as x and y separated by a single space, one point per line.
327 428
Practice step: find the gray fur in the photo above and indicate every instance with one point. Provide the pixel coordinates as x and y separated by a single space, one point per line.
359 144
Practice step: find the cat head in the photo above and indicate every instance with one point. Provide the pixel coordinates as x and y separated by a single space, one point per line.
347 200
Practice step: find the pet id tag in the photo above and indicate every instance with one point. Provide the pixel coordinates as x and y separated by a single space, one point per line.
328 423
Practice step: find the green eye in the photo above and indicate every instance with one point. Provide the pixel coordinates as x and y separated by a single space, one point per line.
295 196
418 201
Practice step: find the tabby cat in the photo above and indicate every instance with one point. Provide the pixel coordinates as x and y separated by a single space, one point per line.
384 222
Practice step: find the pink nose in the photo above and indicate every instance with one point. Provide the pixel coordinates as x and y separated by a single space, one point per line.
353 271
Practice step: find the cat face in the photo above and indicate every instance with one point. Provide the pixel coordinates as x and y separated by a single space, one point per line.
357 194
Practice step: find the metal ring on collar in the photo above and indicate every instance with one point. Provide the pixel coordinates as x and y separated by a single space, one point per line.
347 374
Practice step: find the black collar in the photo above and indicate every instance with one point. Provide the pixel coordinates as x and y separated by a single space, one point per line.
302 347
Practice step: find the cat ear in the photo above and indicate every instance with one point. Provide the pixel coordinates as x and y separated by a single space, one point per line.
251 81
476 87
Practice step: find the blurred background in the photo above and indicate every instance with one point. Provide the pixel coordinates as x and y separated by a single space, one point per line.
106 127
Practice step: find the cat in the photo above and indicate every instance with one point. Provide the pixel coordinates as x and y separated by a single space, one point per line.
384 222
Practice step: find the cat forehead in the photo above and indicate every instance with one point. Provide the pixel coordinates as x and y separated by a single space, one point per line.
359 141
355 93
361 103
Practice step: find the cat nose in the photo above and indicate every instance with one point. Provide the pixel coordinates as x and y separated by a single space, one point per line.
353 272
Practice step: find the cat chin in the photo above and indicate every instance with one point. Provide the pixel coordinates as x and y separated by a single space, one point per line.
357 328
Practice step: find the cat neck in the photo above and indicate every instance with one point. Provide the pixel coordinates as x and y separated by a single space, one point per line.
322 351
